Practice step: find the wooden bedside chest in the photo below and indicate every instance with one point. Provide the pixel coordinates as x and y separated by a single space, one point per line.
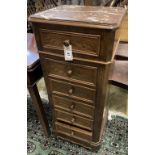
78 89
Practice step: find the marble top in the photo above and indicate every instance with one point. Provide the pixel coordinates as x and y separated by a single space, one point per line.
85 14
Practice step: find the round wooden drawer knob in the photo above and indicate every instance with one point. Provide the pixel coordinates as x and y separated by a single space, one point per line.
70 91
69 72
73 120
66 43
72 107
72 133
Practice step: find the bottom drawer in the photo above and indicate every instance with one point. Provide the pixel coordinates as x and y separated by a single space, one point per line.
73 131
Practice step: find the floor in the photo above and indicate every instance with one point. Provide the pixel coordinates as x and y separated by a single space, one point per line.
118 98
114 140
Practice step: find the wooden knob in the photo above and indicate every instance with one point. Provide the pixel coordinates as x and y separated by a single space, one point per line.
72 107
69 72
73 120
66 43
70 91
72 133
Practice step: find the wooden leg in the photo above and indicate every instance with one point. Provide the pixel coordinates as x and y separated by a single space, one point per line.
33 90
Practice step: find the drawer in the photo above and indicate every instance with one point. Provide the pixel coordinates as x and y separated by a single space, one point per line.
74 72
72 90
73 106
74 119
73 131
88 44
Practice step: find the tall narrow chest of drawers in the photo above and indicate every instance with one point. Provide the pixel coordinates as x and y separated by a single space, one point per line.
78 89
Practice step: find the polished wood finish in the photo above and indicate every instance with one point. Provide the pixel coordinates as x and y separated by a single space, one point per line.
34 73
78 90
32 54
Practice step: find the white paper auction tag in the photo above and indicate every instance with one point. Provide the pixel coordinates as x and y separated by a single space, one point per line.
68 53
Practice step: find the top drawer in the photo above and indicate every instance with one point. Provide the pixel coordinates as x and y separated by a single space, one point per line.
88 44
91 30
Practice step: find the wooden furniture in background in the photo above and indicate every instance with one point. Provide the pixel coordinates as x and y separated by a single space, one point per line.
124 29
88 2
34 73
37 6
119 75
78 89
122 51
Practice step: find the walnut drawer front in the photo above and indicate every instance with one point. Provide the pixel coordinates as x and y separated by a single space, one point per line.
72 90
88 44
73 106
73 131
75 72
74 119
